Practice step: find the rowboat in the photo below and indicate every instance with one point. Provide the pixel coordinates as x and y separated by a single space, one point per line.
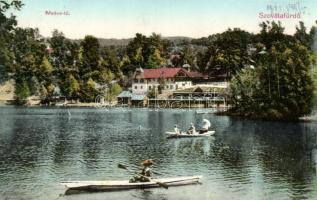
95 186
172 134
203 112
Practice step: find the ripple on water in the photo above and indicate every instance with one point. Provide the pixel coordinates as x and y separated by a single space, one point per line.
245 160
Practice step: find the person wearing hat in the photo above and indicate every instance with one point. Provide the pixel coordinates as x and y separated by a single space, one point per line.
146 173
176 130
191 129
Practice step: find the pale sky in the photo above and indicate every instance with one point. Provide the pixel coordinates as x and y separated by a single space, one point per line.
124 18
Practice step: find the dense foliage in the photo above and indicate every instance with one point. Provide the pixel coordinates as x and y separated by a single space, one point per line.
271 72
281 85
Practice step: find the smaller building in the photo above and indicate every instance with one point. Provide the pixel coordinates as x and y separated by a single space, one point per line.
127 98
209 96
124 98
139 100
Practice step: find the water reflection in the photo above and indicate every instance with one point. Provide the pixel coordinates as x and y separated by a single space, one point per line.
245 159
282 151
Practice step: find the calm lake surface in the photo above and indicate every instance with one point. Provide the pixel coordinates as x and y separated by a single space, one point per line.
245 159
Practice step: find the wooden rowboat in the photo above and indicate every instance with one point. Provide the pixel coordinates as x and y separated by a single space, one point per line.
185 135
95 186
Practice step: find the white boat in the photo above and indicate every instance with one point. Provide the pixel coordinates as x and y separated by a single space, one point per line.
203 112
95 186
172 134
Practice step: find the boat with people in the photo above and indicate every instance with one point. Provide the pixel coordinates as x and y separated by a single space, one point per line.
186 135
95 186
204 112
192 132
141 180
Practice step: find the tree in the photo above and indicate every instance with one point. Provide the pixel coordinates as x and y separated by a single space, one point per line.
7 26
44 74
29 52
111 58
147 52
64 58
89 91
281 86
186 55
109 65
156 59
21 92
72 87
227 53
90 58
47 92
114 91
43 93
301 35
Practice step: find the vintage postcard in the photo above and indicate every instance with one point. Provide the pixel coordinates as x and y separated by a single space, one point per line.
158 99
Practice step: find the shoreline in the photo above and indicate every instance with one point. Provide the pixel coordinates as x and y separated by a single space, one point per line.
94 105
222 111
310 118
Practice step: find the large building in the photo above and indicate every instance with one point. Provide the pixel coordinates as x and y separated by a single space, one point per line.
174 85
169 79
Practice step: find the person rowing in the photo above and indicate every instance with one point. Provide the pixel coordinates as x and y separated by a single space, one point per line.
146 172
192 129
206 125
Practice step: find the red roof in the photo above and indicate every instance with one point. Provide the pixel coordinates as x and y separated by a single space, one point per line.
164 72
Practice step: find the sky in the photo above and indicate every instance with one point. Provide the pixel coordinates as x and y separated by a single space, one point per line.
191 18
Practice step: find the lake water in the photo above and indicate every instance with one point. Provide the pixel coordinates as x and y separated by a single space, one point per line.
244 160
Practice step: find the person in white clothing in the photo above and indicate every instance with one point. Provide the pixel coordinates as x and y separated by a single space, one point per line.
177 132
206 125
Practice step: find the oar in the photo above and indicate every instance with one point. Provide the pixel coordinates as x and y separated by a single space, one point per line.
164 185
138 168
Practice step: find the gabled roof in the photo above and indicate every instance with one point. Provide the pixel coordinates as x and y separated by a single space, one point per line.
125 94
164 72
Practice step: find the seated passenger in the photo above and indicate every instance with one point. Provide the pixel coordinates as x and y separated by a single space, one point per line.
146 173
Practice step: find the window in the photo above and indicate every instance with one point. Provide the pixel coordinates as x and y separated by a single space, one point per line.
150 87
136 87
142 80
141 86
171 87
